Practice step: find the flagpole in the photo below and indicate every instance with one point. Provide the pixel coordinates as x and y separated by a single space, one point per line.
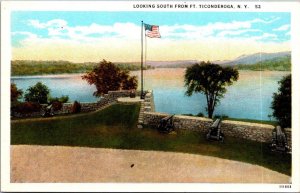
142 95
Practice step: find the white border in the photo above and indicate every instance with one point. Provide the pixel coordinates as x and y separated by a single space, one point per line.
8 6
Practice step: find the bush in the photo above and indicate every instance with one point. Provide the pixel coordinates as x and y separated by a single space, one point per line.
26 107
188 114
57 105
62 99
76 108
15 93
200 115
37 93
223 116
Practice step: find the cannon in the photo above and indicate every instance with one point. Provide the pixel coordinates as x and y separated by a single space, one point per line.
279 141
47 111
166 124
215 132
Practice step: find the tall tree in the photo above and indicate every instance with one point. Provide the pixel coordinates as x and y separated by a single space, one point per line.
281 104
211 80
37 93
106 76
15 93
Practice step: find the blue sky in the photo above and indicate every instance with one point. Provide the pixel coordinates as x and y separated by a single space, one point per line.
188 35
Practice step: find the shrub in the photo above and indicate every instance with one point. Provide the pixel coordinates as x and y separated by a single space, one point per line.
200 115
223 116
37 93
188 114
15 93
76 108
57 105
62 99
26 107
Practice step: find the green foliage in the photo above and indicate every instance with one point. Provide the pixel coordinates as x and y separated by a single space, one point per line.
62 99
76 108
200 114
37 93
15 93
188 114
130 83
281 104
210 80
223 116
106 76
277 64
274 123
30 67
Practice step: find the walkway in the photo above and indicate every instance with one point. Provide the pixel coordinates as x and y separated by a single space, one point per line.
79 164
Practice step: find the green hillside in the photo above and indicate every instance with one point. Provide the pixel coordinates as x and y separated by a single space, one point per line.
276 64
30 67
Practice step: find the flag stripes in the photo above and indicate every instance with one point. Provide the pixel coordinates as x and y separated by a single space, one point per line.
152 31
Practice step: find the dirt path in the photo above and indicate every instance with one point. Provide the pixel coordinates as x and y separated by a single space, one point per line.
79 164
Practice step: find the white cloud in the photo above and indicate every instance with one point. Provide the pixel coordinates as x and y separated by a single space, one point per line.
25 33
59 27
282 28
236 32
116 50
121 42
258 20
265 36
52 23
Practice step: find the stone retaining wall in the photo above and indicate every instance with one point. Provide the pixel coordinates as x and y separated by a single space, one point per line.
288 134
108 98
146 106
251 131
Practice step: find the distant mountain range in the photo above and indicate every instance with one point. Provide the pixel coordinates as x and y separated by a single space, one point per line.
241 60
280 61
254 58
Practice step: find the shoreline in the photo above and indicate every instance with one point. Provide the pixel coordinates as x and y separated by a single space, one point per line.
81 73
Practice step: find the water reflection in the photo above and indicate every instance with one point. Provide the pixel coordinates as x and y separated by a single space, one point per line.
250 97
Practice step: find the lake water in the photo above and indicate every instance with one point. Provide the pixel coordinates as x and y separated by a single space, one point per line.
250 97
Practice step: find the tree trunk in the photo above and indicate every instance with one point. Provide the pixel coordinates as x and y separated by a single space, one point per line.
210 110
210 113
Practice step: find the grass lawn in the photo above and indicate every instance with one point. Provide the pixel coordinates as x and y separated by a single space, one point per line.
115 127
274 123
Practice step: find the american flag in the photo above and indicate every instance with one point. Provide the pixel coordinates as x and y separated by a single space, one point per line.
152 31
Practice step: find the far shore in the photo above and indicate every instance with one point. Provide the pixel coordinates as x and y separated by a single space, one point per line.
57 75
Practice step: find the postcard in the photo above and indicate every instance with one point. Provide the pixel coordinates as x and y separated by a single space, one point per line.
150 96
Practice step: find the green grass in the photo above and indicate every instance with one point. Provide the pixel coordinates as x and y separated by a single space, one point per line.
274 123
115 127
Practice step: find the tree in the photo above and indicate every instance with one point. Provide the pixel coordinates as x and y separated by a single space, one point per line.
15 93
106 76
130 83
209 79
281 103
37 93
